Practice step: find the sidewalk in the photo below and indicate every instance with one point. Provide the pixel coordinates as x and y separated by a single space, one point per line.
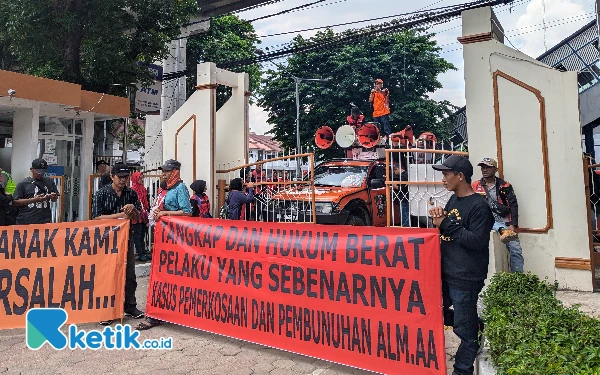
195 352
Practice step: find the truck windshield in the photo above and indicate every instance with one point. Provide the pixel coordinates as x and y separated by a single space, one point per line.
340 175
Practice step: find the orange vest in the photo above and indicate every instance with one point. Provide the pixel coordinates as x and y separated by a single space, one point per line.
381 103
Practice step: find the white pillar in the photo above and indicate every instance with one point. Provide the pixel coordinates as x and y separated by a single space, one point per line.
26 124
174 91
153 145
87 163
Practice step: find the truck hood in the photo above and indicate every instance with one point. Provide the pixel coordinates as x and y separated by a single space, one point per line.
322 193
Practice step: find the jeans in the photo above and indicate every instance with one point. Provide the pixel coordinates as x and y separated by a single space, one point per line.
514 249
383 121
137 234
465 322
404 213
130 282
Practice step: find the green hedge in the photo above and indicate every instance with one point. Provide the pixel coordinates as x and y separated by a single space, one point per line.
530 332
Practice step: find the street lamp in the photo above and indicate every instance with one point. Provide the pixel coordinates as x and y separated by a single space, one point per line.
298 80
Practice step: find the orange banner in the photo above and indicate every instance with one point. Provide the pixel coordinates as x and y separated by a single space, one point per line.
365 297
79 267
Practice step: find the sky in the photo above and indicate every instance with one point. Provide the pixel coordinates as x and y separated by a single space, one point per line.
523 23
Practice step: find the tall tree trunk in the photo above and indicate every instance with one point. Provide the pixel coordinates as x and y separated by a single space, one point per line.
74 12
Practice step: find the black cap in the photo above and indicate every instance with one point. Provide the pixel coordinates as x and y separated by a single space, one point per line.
120 170
170 165
100 162
39 165
456 163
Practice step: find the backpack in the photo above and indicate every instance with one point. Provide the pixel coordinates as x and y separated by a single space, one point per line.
224 210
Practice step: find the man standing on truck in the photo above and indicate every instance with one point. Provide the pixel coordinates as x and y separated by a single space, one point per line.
380 98
464 224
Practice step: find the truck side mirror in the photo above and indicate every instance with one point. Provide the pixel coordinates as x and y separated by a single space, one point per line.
377 183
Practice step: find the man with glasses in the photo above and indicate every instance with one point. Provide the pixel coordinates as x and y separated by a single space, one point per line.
119 201
501 198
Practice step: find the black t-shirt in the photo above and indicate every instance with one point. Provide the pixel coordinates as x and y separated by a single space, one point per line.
104 180
465 235
34 213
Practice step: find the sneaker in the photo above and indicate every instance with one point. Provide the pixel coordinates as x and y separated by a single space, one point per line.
134 313
106 322
481 337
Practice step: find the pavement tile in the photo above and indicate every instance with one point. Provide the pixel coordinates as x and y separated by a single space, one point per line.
284 363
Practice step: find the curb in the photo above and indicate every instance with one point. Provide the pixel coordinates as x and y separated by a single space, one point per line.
483 364
142 269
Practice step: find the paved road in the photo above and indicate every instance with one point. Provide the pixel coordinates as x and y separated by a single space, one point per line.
194 352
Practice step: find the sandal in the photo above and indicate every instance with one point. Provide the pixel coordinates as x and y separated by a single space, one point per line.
147 324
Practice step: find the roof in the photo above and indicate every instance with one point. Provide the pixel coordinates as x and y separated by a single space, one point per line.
263 143
564 41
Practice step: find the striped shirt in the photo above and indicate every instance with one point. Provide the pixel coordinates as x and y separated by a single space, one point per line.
107 202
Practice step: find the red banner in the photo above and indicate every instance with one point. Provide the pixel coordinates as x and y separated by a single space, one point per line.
361 296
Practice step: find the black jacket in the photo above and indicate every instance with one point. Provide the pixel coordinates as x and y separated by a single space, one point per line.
506 197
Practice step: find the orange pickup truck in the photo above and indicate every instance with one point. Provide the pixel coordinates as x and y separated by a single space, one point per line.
347 191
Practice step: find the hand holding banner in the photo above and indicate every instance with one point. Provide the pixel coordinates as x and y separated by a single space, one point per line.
76 266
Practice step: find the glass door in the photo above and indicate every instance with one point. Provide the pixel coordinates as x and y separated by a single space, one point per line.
63 154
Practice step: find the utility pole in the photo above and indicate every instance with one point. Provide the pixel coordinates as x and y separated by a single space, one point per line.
298 81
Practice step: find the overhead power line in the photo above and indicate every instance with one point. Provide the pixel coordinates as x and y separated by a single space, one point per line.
419 19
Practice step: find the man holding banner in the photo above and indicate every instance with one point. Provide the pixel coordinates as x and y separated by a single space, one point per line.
465 224
118 201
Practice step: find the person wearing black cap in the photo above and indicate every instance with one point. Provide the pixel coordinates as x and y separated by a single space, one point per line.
102 168
119 201
464 224
33 194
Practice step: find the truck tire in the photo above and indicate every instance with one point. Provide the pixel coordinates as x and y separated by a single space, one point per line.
355 220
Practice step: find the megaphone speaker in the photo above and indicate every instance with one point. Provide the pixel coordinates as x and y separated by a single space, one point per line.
345 136
324 137
368 135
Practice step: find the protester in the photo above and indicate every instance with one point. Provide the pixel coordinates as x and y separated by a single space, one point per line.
33 196
173 200
5 206
380 98
464 224
102 168
7 181
139 226
502 200
200 202
237 198
118 201
356 119
10 211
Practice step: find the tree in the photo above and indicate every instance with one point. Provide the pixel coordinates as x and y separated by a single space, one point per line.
407 61
95 43
228 38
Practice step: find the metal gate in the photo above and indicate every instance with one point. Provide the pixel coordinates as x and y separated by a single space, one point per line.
411 193
592 188
284 188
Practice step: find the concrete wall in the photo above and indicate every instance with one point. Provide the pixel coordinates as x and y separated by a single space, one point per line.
220 137
521 147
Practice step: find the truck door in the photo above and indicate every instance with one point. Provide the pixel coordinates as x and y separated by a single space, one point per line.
377 197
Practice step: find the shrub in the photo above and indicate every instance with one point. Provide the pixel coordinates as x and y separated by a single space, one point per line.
530 332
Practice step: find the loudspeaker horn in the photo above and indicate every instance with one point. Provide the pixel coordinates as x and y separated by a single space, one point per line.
368 135
404 137
345 136
324 137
